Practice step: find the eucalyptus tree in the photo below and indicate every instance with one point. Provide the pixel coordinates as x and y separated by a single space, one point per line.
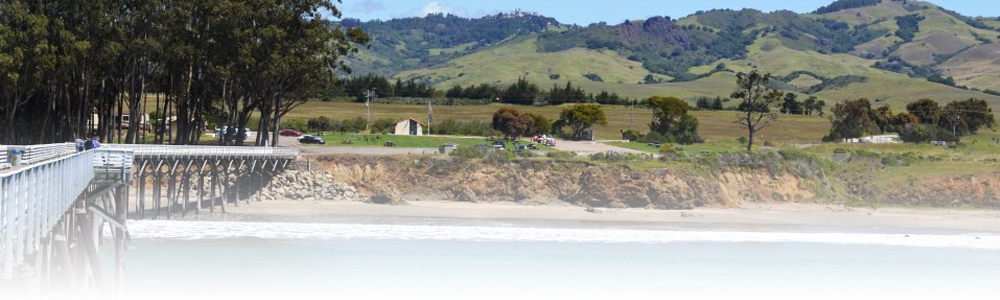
70 68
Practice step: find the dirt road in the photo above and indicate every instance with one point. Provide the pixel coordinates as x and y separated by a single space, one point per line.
591 147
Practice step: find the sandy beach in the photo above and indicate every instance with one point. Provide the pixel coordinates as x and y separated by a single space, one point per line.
782 217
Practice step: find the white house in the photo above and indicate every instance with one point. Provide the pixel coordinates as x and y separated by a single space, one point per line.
409 126
875 139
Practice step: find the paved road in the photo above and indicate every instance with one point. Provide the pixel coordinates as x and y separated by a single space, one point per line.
317 150
312 150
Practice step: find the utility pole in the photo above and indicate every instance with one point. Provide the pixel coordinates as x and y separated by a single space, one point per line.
369 108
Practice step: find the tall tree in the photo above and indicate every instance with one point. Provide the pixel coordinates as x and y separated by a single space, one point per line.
926 110
511 122
581 117
667 113
967 117
852 119
757 100
71 68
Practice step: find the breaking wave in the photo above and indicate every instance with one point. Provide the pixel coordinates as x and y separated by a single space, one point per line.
191 230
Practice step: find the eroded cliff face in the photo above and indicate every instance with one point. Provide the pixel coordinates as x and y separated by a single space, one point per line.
978 191
618 186
582 184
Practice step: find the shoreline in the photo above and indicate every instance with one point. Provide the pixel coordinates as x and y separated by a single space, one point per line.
758 217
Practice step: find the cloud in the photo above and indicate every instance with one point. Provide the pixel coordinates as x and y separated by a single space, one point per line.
438 8
368 6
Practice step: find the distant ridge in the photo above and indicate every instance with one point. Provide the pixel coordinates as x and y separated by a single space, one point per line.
892 51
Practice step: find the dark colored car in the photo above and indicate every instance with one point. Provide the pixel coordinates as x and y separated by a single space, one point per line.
499 145
312 140
289 132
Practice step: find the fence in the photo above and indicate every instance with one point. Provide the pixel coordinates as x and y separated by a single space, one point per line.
205 151
113 164
38 153
34 197
3 158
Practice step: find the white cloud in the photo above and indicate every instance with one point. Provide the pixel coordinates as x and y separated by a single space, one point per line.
438 8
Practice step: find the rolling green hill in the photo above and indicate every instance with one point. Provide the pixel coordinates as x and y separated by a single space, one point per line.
884 50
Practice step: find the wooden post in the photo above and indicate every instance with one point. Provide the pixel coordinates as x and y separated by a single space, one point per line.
172 188
90 251
215 183
187 187
119 235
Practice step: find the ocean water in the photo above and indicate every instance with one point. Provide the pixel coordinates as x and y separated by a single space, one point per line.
229 260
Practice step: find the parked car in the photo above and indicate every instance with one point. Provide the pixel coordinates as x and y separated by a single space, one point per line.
451 145
289 132
312 140
520 148
499 145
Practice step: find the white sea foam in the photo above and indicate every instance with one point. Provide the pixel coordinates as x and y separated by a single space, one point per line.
190 230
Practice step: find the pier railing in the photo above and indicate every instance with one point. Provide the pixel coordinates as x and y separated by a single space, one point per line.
34 154
4 153
205 151
34 197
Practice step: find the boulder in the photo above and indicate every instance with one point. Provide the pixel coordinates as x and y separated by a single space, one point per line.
387 195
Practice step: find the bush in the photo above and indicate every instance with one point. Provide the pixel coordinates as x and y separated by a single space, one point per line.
668 149
620 157
467 153
631 135
383 125
470 128
917 133
319 124
498 156
556 154
656 137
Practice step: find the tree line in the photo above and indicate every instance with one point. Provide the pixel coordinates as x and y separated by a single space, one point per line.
69 69
924 120
524 92
357 87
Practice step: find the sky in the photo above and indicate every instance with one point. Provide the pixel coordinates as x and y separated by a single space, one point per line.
585 12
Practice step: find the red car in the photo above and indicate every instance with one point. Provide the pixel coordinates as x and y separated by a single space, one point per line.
289 132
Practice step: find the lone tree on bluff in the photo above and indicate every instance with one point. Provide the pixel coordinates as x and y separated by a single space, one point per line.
581 117
758 98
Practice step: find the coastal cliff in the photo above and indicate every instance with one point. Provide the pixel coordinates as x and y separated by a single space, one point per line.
689 186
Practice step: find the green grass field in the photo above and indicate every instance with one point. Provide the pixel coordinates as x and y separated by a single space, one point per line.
404 141
713 125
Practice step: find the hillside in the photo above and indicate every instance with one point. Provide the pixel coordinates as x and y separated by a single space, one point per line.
893 51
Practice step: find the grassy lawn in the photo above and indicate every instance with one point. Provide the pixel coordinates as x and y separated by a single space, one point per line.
406 141
719 146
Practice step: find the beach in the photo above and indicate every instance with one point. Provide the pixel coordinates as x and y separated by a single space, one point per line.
767 217
456 250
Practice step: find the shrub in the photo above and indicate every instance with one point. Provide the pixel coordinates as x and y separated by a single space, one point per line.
631 135
383 125
555 154
668 149
498 157
467 153
319 123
